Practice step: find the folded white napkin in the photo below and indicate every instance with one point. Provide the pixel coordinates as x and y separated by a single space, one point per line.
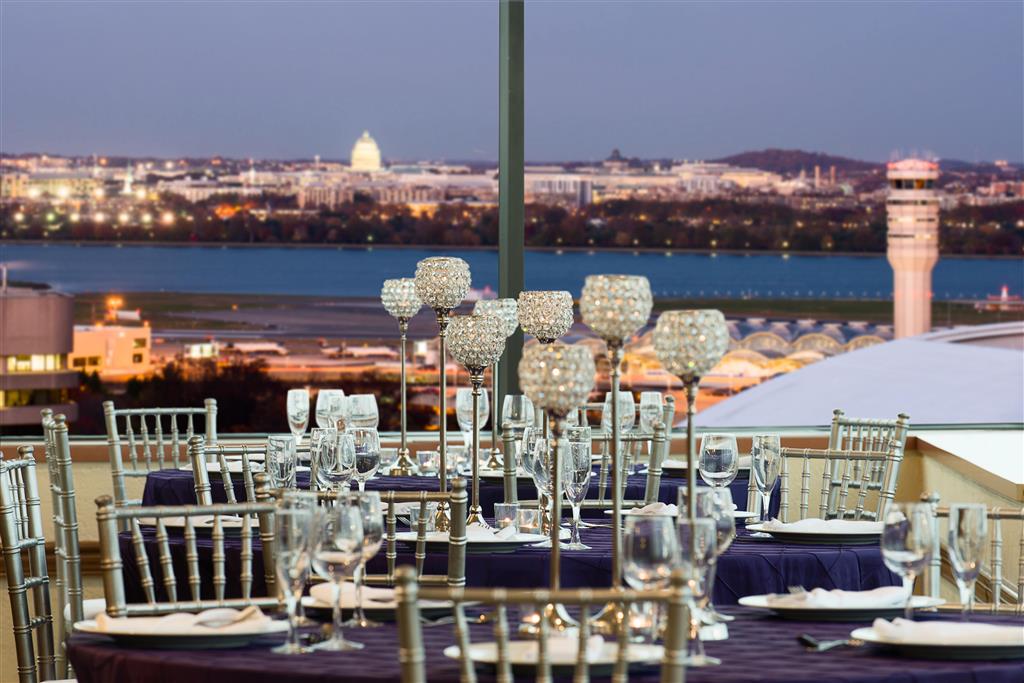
561 649
656 509
886 596
219 620
674 464
477 532
324 592
825 526
948 632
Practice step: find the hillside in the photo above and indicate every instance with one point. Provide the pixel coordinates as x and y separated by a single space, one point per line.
792 161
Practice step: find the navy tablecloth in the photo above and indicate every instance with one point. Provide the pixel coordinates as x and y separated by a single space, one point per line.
750 566
761 649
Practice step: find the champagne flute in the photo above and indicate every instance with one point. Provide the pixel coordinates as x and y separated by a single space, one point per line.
907 544
697 548
576 477
329 407
649 554
337 549
298 412
517 412
720 502
293 522
369 506
281 461
627 417
719 459
362 411
367 448
650 413
968 533
766 462
540 471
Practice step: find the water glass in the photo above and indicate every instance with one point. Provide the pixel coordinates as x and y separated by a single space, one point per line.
362 411
320 441
373 535
464 413
293 522
719 459
576 477
506 515
517 413
337 462
428 463
281 461
650 550
908 541
968 536
697 544
298 412
367 448
330 408
704 497
627 418
414 517
766 462
337 550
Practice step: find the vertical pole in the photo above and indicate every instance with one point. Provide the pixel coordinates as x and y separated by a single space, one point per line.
510 179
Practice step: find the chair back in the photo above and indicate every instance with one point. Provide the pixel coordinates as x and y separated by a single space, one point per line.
456 500
410 627
859 470
997 592
21 532
255 518
67 556
153 440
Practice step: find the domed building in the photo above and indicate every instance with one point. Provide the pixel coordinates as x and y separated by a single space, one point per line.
365 154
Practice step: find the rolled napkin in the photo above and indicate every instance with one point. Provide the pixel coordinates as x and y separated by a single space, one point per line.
655 509
324 593
886 596
219 620
478 532
948 632
825 526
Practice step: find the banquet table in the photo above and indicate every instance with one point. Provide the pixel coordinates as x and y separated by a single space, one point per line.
750 566
760 649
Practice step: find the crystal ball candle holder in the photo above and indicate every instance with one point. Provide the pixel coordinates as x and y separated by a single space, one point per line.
557 377
506 309
616 306
476 341
400 298
690 343
442 282
547 315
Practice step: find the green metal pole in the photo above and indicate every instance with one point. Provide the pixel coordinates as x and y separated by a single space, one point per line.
510 179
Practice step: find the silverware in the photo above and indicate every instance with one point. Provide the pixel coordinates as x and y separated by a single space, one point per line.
437 622
814 645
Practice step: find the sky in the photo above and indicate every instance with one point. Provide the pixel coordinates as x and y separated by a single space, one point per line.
689 80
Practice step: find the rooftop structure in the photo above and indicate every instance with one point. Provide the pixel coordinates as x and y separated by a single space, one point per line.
913 210
366 154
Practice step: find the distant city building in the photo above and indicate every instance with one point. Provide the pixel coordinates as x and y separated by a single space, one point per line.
324 196
913 212
365 154
114 351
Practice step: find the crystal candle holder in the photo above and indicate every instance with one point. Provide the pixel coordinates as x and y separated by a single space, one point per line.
547 315
506 515
615 306
690 343
402 302
528 521
508 311
442 282
557 377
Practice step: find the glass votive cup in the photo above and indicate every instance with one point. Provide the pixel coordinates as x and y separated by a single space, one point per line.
506 515
529 521
414 516
428 462
388 458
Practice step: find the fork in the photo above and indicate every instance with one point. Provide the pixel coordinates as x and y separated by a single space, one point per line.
815 645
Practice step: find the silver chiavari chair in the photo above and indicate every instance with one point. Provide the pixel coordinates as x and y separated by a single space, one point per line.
862 459
256 518
457 500
998 593
71 606
410 627
21 531
201 455
154 440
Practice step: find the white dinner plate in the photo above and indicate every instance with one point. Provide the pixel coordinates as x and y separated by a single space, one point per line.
486 473
235 467
522 655
187 639
439 539
376 610
810 613
228 522
736 514
933 650
839 537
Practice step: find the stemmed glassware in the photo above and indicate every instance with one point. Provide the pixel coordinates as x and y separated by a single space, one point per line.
281 460
366 443
650 553
650 412
908 541
968 533
765 461
576 478
362 411
517 412
627 418
330 408
320 439
293 530
373 535
540 470
464 413
719 459
697 544
720 502
297 405
337 549
337 462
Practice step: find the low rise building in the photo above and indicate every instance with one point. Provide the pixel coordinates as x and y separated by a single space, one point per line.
116 352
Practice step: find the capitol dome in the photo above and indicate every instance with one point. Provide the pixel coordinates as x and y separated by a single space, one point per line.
365 154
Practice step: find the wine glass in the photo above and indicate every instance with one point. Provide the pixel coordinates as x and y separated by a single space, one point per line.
330 407
968 533
650 413
627 417
281 461
298 412
337 462
293 521
719 459
907 543
373 535
765 461
720 502
367 448
697 544
576 477
517 413
649 554
337 549
538 463
320 439
362 411
464 413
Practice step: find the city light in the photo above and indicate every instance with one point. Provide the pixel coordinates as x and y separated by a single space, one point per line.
167 218
74 217
34 192
99 217
63 192
147 218
98 193
140 193
123 217
19 217
50 216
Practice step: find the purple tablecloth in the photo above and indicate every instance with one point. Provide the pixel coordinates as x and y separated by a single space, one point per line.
761 649
750 566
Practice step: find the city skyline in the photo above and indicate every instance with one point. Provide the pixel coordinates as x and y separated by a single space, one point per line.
654 80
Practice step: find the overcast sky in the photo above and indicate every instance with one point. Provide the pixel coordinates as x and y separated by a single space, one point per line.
668 79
